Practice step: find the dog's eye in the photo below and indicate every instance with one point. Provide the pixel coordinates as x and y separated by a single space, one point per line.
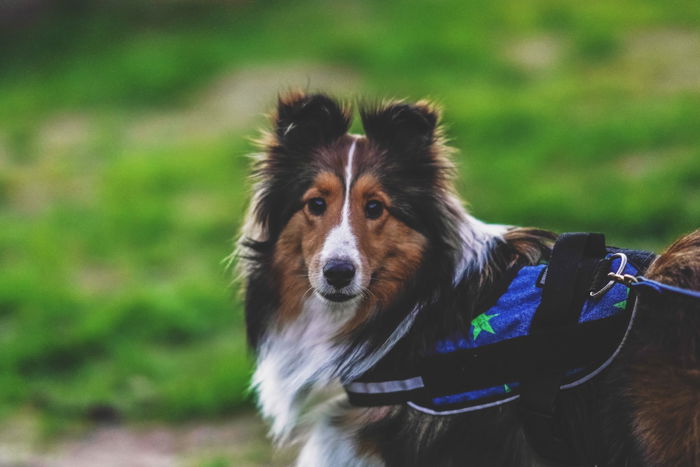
373 209
317 206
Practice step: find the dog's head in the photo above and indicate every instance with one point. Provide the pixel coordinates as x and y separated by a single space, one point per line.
348 218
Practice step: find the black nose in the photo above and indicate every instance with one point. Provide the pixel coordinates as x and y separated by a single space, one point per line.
339 272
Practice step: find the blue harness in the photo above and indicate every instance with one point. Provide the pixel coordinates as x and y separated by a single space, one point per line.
522 334
511 317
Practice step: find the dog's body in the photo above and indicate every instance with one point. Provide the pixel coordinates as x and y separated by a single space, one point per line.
354 243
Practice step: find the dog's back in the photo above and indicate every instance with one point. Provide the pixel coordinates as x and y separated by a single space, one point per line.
664 384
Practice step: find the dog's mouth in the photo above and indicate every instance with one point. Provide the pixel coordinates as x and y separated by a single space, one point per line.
337 297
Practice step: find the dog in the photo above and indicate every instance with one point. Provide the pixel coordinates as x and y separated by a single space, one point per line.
355 246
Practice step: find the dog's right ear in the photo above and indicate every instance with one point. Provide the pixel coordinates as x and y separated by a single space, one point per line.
308 121
407 129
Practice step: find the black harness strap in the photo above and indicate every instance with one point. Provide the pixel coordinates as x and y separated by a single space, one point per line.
573 260
571 268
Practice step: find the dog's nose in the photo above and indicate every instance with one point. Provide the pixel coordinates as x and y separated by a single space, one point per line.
339 272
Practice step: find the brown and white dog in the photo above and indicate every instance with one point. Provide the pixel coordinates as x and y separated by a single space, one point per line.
354 241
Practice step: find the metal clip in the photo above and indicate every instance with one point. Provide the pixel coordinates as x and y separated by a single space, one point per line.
616 276
626 279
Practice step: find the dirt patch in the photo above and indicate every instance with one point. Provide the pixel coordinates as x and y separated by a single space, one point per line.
237 101
57 168
64 134
238 442
536 54
666 60
638 165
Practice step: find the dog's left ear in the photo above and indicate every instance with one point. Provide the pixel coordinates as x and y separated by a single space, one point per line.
407 129
305 121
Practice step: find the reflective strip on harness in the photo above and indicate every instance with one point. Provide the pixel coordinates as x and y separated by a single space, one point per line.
381 387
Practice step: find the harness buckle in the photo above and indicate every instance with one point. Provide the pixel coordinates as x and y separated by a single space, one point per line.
617 276
626 279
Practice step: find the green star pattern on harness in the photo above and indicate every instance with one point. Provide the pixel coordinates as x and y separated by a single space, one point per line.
481 323
623 304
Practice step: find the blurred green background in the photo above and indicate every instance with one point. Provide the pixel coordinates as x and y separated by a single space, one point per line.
124 127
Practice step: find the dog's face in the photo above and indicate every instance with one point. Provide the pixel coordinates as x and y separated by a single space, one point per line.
345 240
347 216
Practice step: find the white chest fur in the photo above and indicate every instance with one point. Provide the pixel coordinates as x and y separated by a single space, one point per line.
296 360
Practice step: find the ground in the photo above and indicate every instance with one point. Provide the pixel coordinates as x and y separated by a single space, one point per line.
239 441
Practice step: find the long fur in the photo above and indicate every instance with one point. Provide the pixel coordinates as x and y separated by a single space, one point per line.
643 410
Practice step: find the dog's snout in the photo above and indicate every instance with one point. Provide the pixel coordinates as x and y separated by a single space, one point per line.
339 272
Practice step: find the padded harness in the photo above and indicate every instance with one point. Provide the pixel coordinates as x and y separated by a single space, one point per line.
554 327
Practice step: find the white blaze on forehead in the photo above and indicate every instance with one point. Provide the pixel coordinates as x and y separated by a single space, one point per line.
341 242
348 181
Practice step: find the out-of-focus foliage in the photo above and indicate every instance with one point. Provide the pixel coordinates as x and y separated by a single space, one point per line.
124 125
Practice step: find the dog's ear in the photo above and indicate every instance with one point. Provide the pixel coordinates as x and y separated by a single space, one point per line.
408 129
305 121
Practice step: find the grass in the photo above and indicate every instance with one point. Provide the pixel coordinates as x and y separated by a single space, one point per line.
115 220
